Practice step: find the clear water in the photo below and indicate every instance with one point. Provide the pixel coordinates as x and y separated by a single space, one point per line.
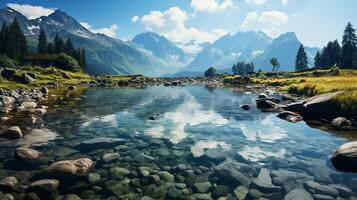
193 120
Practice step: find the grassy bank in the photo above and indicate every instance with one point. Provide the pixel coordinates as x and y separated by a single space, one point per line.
50 75
312 83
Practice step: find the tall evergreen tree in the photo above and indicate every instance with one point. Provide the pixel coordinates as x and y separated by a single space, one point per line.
69 48
301 60
84 61
317 60
42 42
58 44
50 48
17 43
3 39
349 47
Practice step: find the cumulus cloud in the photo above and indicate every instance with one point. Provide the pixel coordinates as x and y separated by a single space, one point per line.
267 21
31 12
171 23
211 5
135 19
256 2
251 16
108 31
274 17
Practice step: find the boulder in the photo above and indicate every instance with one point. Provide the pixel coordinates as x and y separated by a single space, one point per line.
341 123
110 157
44 90
9 183
298 194
264 183
29 104
231 172
267 105
26 79
12 133
245 107
39 111
262 96
202 187
79 167
44 186
7 101
290 116
345 157
24 153
321 189
8 73
287 97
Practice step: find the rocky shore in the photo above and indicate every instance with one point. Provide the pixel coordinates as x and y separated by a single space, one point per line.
113 168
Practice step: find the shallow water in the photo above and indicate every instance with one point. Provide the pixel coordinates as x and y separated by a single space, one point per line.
196 126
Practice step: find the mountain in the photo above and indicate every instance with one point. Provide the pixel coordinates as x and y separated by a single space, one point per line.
230 49
162 48
105 55
284 48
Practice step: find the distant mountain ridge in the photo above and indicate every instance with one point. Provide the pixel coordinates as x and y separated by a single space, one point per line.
230 49
163 48
105 55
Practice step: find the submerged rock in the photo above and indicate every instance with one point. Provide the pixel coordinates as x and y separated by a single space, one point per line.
241 192
264 183
174 193
9 183
79 167
341 123
290 116
110 157
202 187
345 157
321 189
24 153
245 107
230 172
44 186
12 133
298 194
100 143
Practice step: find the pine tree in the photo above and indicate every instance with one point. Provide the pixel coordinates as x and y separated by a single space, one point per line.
17 44
50 48
69 48
317 60
349 47
42 42
84 61
301 60
275 63
3 39
58 44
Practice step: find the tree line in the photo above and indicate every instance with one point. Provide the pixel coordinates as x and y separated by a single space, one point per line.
13 44
58 46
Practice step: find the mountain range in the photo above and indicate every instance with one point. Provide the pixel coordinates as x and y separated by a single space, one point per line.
151 54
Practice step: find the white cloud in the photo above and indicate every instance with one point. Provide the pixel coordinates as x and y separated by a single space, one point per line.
171 23
108 31
274 17
135 19
211 5
251 16
31 12
256 2
285 2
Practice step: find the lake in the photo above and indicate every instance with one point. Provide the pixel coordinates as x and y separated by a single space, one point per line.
200 145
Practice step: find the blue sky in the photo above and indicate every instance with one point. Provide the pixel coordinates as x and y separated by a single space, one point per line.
315 21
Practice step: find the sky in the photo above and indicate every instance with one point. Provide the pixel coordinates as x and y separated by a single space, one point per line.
314 21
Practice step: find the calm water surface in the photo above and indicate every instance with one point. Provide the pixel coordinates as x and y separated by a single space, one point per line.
198 132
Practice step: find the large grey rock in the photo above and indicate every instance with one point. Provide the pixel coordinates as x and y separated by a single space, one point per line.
267 105
290 116
9 183
44 90
7 72
341 123
27 79
24 153
321 189
78 167
264 183
345 157
230 171
7 101
241 192
202 187
12 133
44 186
298 194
